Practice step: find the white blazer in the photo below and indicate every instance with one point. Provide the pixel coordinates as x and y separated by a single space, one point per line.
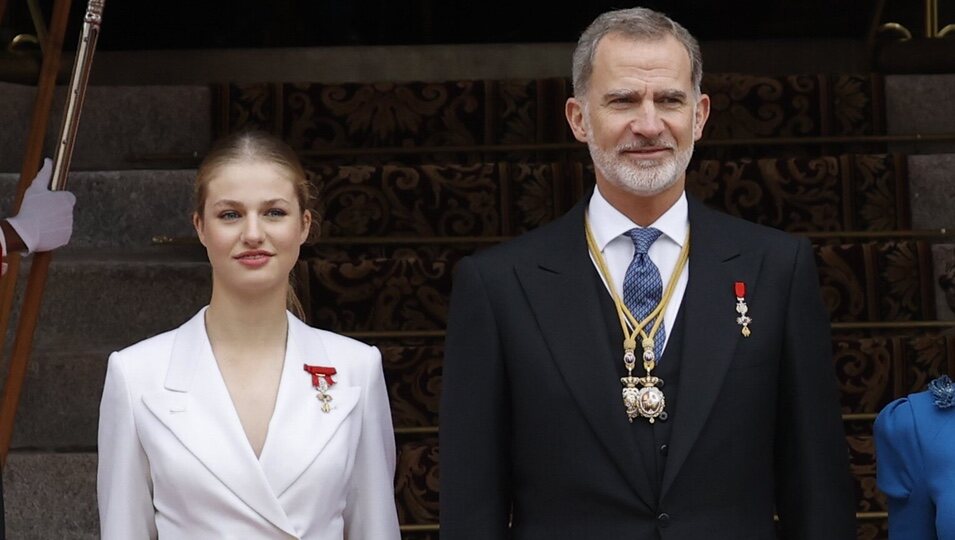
174 461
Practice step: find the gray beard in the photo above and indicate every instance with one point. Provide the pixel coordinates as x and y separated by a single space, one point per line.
645 177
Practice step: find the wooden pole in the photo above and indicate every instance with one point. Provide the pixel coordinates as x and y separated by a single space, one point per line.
34 148
33 296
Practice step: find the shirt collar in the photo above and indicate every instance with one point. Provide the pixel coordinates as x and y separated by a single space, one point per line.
607 223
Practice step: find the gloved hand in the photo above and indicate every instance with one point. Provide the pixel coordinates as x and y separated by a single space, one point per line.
45 220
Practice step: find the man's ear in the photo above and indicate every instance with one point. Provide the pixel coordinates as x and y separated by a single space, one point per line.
702 114
574 110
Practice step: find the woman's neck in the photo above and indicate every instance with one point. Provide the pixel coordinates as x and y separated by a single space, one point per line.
246 323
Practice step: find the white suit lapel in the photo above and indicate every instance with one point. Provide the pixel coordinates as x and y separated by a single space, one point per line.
299 429
197 408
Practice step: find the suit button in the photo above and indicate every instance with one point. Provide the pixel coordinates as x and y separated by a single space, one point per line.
664 449
663 519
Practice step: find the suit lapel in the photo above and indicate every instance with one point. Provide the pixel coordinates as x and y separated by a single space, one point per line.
299 429
711 333
197 409
562 290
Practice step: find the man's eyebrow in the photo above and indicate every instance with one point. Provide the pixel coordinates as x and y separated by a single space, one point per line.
672 94
622 93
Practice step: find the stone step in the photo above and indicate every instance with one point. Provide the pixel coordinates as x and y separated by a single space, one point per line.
49 495
854 192
123 209
502 112
406 287
91 304
851 192
121 126
920 103
53 495
932 190
60 401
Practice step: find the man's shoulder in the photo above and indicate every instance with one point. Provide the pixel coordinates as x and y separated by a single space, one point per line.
538 240
747 232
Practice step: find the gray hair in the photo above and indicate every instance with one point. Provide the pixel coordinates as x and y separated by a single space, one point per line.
638 24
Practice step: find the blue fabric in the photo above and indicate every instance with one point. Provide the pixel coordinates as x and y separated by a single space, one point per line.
642 285
915 460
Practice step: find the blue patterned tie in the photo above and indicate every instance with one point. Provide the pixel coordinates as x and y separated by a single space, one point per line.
642 286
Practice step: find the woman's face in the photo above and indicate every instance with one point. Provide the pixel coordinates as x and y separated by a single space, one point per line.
252 226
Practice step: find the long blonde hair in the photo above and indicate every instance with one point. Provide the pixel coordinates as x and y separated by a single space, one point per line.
263 147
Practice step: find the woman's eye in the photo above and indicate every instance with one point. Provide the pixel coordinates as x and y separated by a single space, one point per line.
276 212
229 215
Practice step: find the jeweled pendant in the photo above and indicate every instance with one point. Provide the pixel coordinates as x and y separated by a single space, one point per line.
631 397
651 403
647 402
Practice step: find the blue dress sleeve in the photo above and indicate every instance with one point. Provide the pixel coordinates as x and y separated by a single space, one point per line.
900 473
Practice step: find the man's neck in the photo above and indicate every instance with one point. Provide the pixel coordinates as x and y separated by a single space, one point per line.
641 210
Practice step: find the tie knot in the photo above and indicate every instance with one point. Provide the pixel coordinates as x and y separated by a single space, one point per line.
643 238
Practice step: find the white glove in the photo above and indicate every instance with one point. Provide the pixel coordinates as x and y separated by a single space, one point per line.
45 220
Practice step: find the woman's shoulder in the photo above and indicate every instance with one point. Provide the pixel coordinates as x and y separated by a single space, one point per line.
151 348
147 348
902 417
339 345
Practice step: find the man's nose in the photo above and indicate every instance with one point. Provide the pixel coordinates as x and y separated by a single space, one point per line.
646 120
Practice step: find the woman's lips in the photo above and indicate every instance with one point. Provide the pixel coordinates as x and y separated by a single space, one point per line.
253 259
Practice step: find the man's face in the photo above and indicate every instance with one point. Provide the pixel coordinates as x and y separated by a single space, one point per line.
640 115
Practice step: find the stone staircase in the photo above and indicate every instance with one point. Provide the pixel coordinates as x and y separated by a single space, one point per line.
108 289
462 165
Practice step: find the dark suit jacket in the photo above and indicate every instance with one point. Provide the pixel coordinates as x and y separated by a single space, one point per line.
533 428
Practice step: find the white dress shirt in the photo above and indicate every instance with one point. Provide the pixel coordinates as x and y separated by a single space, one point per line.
610 226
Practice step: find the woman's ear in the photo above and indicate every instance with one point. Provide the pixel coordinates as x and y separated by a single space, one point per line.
197 223
306 226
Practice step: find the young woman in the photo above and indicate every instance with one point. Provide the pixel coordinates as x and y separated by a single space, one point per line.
244 422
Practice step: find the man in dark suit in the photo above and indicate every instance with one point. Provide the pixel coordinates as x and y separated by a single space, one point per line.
582 399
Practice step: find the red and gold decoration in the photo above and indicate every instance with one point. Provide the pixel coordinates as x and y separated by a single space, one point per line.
743 320
322 381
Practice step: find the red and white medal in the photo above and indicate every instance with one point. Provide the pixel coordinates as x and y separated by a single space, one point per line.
743 320
322 381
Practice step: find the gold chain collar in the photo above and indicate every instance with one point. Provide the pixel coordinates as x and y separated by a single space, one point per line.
647 401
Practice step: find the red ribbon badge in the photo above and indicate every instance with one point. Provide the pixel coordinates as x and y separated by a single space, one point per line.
320 372
742 309
740 289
